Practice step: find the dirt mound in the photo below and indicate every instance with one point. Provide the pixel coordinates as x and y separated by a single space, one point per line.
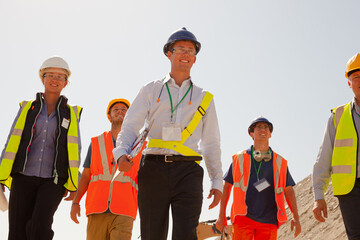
311 229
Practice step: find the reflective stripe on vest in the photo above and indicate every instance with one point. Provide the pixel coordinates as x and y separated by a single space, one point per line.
100 193
241 176
178 146
241 181
73 149
14 143
344 156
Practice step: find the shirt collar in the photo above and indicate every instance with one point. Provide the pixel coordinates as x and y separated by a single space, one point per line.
355 106
171 82
249 150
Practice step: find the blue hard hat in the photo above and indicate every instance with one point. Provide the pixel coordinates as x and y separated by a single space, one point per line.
179 35
257 120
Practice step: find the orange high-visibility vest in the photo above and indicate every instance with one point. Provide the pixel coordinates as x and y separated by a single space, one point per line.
119 195
241 176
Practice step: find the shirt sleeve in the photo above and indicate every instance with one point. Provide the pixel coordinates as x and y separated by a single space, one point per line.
133 122
8 138
322 166
210 147
289 180
228 177
87 161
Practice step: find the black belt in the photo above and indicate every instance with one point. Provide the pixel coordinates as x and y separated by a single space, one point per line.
172 158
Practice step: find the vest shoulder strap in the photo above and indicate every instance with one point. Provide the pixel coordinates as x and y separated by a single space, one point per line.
102 141
338 112
23 103
281 166
77 110
242 157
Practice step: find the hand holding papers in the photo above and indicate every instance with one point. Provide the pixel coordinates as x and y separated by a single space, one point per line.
137 146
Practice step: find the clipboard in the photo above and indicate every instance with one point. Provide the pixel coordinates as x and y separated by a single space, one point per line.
137 146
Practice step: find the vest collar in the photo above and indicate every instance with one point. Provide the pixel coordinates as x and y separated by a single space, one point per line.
40 98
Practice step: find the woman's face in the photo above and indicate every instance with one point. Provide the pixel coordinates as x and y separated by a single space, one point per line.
54 80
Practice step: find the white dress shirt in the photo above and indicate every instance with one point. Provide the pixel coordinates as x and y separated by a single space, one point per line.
146 109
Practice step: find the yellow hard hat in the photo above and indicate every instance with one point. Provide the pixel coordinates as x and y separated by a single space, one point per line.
117 100
352 64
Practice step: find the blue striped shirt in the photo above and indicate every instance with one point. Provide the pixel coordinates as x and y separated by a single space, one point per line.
41 155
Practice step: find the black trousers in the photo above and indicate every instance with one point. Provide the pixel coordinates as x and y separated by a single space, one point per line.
163 185
32 205
350 211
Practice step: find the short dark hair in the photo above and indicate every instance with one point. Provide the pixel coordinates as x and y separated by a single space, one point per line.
353 71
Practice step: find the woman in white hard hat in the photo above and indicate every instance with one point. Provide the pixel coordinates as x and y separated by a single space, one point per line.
41 156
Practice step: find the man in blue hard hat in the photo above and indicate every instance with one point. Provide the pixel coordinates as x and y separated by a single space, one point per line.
181 116
262 182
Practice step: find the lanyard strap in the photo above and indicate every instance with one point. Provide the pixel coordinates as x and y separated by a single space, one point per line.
171 104
257 170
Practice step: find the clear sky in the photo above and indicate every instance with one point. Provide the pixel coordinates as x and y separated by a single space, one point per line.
281 59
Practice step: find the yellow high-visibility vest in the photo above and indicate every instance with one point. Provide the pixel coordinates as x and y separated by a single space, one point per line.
15 139
344 157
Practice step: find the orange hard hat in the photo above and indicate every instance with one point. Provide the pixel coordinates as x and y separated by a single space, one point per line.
117 100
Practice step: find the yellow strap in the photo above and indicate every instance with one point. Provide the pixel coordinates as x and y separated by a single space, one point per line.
189 129
186 133
173 145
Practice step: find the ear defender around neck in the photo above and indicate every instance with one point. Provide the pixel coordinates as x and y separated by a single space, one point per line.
258 156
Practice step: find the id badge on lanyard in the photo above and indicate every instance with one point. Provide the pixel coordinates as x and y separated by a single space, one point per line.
261 185
171 132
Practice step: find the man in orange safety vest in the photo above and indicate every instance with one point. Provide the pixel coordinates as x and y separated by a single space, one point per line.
111 204
261 182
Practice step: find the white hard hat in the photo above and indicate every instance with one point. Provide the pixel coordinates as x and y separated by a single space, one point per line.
55 62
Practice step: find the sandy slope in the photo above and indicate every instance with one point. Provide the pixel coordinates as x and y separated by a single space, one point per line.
333 228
